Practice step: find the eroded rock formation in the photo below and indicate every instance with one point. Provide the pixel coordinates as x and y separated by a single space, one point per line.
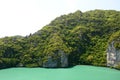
61 61
113 55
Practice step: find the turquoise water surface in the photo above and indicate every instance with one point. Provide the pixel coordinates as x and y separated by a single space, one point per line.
75 73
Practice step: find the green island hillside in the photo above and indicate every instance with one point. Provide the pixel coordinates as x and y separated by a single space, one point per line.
79 38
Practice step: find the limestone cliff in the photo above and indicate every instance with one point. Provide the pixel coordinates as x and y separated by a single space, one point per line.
113 55
61 61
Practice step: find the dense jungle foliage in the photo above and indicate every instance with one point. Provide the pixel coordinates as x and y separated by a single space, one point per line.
83 36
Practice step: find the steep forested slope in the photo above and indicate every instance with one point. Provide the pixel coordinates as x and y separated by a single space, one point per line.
82 37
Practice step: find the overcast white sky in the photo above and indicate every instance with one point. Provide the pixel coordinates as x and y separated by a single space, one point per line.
22 17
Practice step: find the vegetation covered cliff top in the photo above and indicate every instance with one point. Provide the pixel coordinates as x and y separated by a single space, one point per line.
83 37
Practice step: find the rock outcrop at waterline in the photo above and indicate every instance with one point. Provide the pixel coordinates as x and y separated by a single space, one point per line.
113 56
113 52
60 61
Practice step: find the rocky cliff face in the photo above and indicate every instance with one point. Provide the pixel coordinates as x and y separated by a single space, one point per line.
61 61
64 59
113 55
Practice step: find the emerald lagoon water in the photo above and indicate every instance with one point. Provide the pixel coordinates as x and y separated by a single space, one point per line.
80 72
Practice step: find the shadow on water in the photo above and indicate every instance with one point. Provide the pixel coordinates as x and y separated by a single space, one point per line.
2 68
